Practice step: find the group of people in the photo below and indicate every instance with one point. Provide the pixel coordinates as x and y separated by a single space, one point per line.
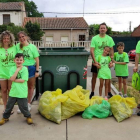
103 56
19 66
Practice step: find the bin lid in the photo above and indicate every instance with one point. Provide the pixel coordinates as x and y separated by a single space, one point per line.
64 51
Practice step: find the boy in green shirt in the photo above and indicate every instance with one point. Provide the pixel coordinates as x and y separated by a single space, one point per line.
19 90
121 68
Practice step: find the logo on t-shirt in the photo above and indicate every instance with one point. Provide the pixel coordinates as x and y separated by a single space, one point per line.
104 43
26 54
8 60
120 59
19 75
104 63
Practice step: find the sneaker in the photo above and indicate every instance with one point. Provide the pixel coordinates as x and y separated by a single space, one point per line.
29 107
125 95
91 94
138 113
3 121
138 106
29 121
18 111
120 94
109 95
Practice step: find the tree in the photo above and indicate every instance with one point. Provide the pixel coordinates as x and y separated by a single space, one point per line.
94 29
30 7
34 31
12 28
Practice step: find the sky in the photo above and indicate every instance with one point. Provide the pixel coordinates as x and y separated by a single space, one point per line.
118 22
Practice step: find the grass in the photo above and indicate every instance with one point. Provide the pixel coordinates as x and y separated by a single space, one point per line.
131 92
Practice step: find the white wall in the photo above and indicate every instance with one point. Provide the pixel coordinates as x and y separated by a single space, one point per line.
15 17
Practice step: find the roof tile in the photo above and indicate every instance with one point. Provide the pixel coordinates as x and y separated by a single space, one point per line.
58 23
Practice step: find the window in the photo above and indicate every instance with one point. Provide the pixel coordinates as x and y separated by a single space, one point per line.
6 19
64 38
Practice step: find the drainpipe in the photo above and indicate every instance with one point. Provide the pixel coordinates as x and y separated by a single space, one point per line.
71 34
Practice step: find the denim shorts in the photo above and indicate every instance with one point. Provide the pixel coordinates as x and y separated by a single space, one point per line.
31 70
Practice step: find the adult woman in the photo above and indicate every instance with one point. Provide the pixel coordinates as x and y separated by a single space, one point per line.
7 55
31 58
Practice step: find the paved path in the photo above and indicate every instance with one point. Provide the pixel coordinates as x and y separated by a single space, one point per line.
74 128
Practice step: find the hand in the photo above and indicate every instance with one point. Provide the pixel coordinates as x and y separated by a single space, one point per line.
36 74
19 68
110 65
135 69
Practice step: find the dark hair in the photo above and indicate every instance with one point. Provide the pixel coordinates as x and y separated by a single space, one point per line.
28 38
103 24
120 44
18 55
106 47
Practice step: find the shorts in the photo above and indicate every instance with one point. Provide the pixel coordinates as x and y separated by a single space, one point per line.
31 70
123 77
94 69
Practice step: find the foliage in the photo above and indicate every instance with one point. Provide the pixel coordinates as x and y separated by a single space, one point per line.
12 28
94 29
34 31
30 7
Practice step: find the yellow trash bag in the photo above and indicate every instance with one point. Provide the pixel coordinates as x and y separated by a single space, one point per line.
96 100
78 100
50 105
122 107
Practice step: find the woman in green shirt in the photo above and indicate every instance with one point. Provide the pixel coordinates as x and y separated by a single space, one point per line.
31 61
7 55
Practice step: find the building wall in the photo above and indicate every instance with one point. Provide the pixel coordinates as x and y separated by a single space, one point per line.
15 17
136 32
73 35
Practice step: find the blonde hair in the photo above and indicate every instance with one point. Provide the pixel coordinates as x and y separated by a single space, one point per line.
7 33
28 38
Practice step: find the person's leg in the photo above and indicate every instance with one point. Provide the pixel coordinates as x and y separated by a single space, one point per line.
23 106
106 87
93 80
31 85
9 86
109 89
4 88
120 85
101 86
125 87
10 104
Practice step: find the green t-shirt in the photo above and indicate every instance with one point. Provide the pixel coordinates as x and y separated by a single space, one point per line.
121 70
30 52
138 47
19 90
6 61
98 43
104 72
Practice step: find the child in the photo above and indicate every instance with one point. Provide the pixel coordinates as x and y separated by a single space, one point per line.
121 68
19 90
104 73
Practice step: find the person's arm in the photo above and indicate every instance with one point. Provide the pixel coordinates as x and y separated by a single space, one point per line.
111 53
37 66
92 55
135 69
13 78
122 63
19 80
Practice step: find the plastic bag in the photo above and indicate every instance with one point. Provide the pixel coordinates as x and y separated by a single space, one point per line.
136 81
50 105
78 100
122 107
100 111
96 100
